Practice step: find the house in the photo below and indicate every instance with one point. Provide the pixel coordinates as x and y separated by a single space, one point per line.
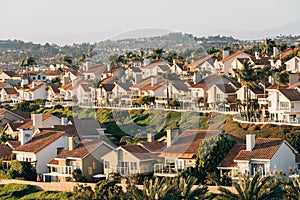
154 68
28 127
53 92
225 64
6 75
12 115
199 90
84 155
94 73
222 94
34 75
53 74
5 85
254 92
181 151
177 68
284 104
293 65
131 159
113 71
205 64
136 89
36 90
42 148
9 95
121 91
263 155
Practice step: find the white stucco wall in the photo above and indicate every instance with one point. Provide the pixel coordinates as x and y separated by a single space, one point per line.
48 153
283 159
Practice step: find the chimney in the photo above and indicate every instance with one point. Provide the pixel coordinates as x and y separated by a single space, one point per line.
153 81
275 51
37 121
250 142
64 120
72 142
150 137
25 136
225 53
169 137
257 55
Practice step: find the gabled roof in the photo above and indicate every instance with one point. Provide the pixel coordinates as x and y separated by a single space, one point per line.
145 82
29 124
287 52
85 147
5 151
180 85
108 87
109 80
153 64
125 86
9 73
55 87
226 88
188 143
17 113
228 162
16 124
264 149
164 68
153 87
52 73
138 152
96 69
209 58
40 141
13 143
211 80
10 91
153 146
231 56
87 126
291 94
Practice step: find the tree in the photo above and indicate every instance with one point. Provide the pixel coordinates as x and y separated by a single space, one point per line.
293 189
22 170
77 174
67 61
145 100
211 152
132 140
107 190
184 186
293 139
248 75
157 53
82 192
257 188
157 189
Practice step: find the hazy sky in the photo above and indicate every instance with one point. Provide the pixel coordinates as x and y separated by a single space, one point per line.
67 21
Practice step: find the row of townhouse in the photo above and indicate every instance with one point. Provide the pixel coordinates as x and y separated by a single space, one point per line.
58 146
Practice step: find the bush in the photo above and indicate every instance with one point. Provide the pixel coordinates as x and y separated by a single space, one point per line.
83 192
21 170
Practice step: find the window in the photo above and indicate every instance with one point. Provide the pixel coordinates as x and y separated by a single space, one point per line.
292 105
284 106
270 104
106 164
39 77
94 165
133 165
258 168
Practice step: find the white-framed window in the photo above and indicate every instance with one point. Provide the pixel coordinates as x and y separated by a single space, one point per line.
284 105
106 164
133 165
258 168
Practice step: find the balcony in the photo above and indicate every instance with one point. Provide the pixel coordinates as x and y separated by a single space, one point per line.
166 170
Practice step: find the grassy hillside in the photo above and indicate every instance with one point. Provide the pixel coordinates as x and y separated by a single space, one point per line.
240 130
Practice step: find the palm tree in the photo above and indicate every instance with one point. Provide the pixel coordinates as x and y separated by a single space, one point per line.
247 75
258 188
67 60
157 53
158 189
188 189
293 189
132 140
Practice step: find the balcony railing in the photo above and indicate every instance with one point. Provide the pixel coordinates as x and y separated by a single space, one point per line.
166 170
62 169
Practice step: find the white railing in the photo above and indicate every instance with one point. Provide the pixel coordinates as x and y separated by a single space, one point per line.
62 169
166 170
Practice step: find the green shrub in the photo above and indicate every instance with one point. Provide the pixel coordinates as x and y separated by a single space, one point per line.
14 191
21 170
47 195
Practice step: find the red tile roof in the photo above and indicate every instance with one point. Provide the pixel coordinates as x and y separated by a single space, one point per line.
40 141
153 64
200 61
139 152
5 151
228 162
153 146
264 149
231 56
188 143
291 94
96 69
11 91
85 147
